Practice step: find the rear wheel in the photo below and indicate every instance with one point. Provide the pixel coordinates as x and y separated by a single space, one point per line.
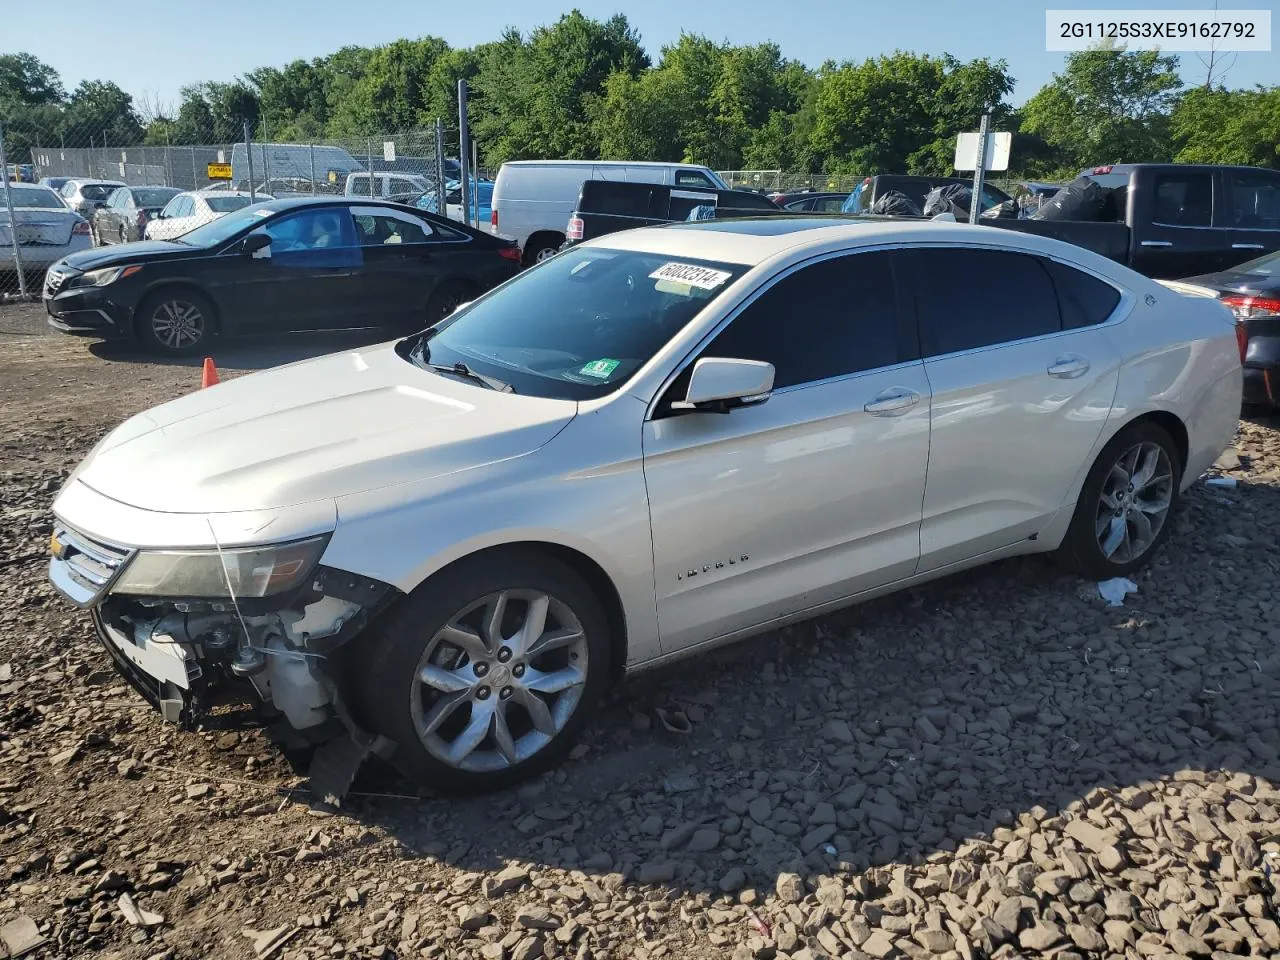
487 673
124 237
1123 512
175 322
541 248
447 298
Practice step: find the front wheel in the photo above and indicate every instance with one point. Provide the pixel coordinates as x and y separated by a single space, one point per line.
1123 512
487 673
174 322
447 298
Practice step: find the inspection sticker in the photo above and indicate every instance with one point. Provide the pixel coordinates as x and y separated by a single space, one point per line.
704 278
601 369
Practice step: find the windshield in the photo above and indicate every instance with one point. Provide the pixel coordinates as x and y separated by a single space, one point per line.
1265 266
36 199
216 231
155 197
227 204
581 323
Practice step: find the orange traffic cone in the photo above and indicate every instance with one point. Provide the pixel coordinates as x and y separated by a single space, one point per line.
209 376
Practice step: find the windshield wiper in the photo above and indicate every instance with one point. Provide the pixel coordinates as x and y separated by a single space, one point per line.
460 369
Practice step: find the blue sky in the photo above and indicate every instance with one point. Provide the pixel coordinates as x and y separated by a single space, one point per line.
152 48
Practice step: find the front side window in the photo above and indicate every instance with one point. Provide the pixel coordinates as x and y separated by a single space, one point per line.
580 324
1254 201
1183 200
966 299
834 318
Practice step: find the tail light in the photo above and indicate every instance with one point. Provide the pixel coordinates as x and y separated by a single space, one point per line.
81 229
511 253
574 230
1250 308
493 218
1242 340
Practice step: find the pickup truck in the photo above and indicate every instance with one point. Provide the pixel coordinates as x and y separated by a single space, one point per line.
1175 219
607 206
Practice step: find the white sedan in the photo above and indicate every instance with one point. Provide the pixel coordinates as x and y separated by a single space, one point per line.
194 208
47 228
645 446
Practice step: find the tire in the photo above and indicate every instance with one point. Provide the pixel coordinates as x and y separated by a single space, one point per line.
94 239
123 236
446 298
392 700
1116 536
178 309
540 250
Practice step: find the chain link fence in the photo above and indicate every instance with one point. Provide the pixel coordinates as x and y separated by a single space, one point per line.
91 189
782 181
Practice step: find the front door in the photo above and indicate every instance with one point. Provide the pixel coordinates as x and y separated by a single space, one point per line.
1180 240
308 282
813 495
1021 385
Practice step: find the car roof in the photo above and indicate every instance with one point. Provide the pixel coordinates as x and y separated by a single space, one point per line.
600 163
752 241
95 181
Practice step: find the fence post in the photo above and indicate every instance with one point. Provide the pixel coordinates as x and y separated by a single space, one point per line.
13 221
266 163
248 152
440 168
464 151
975 201
168 160
368 149
311 149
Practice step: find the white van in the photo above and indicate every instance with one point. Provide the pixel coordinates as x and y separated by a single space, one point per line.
385 184
532 199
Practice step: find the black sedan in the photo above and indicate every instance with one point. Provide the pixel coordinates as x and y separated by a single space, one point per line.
125 214
1252 291
293 264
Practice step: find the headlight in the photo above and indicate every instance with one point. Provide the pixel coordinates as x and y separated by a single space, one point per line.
251 571
100 278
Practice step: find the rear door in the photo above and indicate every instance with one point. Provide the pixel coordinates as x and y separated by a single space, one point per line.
1020 395
1177 237
401 265
1253 213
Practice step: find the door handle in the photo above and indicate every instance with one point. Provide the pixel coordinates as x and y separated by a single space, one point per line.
1156 243
892 402
1068 368
1247 246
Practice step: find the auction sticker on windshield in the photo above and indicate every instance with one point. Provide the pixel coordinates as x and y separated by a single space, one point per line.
704 278
600 369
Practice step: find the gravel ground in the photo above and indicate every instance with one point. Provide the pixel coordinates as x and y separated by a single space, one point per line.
997 765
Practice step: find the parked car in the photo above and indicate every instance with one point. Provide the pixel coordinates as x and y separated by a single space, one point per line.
453 200
607 206
47 228
459 540
193 208
53 183
385 184
85 195
127 212
1176 219
532 199
294 264
814 202
1252 291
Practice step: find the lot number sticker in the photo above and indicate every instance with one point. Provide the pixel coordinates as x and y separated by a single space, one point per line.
704 278
600 369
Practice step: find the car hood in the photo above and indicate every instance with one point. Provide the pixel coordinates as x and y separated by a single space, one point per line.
143 251
318 429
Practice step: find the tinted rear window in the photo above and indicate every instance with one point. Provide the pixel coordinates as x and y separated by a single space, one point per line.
227 204
153 198
97 191
35 199
1084 300
616 199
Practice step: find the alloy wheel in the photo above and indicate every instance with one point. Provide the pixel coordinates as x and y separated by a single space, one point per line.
1134 503
177 324
499 680
546 253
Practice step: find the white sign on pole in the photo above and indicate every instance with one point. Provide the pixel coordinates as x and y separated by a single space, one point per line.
998 145
389 151
222 156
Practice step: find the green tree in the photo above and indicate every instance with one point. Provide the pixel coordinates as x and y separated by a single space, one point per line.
388 95
1107 106
100 112
25 81
1228 126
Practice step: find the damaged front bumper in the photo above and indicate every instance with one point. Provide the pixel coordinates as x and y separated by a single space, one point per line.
187 655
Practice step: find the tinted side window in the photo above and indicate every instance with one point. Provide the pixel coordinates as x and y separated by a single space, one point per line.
831 319
616 199
682 204
1254 201
1183 199
1083 300
692 178
977 298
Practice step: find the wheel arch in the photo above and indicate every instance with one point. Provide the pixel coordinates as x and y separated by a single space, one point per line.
589 569
540 238
162 286
1171 424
